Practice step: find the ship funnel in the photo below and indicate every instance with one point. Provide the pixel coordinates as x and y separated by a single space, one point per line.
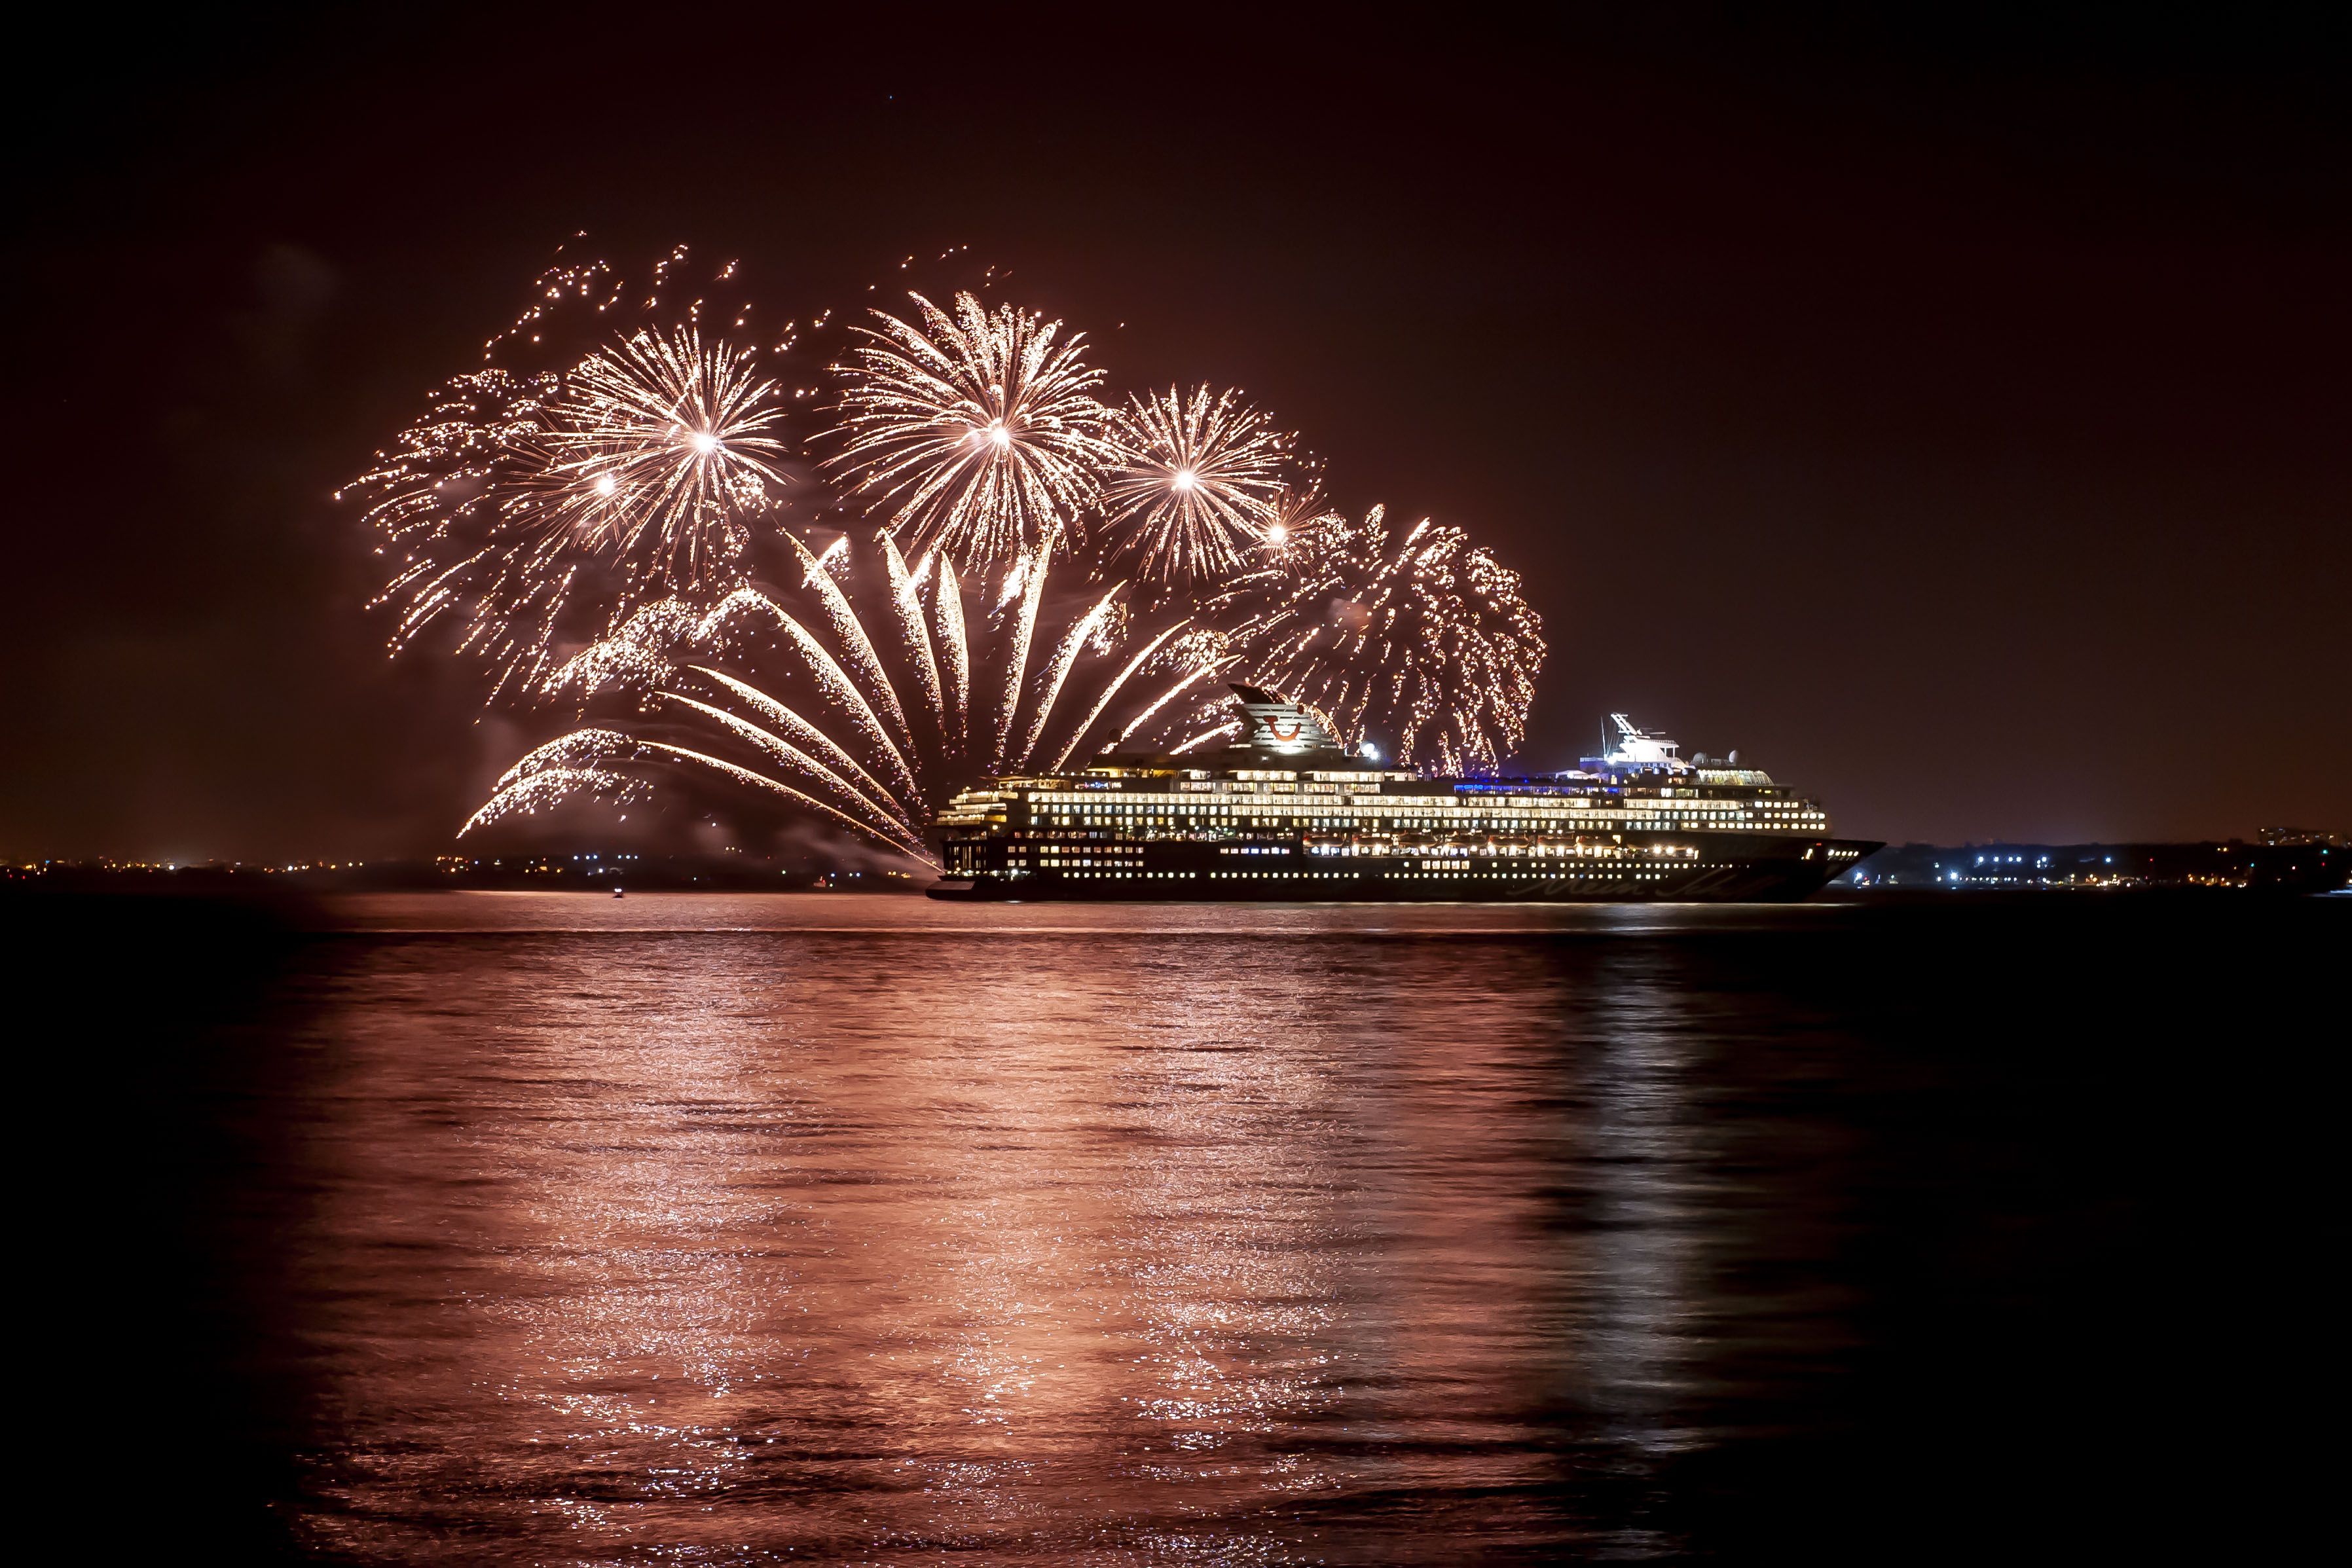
1279 725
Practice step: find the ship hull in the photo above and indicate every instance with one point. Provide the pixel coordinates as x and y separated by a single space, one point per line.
1190 872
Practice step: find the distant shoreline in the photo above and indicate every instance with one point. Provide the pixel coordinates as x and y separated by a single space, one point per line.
2269 874
538 873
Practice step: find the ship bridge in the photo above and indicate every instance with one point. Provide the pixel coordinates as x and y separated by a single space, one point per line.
1635 750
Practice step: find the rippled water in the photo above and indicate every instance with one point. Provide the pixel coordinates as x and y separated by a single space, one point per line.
696 1228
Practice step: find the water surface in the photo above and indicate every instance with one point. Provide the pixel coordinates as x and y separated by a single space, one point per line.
706 1228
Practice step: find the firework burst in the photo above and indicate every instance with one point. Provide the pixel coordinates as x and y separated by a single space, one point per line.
439 498
597 516
1301 509
1414 633
531 509
660 451
977 432
1200 482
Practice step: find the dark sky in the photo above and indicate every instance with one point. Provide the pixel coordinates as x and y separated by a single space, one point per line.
1953 416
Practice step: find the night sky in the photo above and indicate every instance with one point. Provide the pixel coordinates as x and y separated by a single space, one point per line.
1956 419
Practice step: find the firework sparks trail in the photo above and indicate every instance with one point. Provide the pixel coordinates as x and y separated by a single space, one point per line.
831 681
852 778
1201 481
589 762
849 631
947 601
578 307
1149 651
564 768
1033 576
1171 695
1230 728
767 702
1085 629
906 598
975 432
906 834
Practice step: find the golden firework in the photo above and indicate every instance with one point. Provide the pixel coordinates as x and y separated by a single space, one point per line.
977 431
1200 482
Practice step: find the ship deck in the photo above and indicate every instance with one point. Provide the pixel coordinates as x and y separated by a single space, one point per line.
1163 872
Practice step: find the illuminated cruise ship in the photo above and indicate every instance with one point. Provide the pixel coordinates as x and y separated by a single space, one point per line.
1287 815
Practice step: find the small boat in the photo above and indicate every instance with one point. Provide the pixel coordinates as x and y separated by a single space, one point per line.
617 893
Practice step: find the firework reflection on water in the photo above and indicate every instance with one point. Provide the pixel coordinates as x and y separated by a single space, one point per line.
875 1241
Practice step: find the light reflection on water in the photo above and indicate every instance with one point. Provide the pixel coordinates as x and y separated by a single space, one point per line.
814 1227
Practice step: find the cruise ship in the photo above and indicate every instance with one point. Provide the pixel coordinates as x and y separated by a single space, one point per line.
1287 815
